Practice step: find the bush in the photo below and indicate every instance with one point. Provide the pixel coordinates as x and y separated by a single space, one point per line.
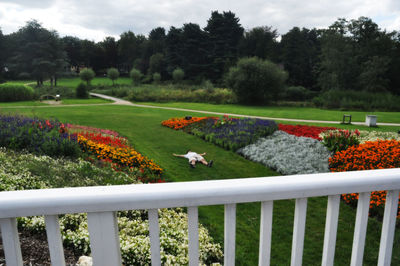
157 77
81 91
136 76
339 140
296 93
87 74
256 81
14 93
113 74
357 100
178 74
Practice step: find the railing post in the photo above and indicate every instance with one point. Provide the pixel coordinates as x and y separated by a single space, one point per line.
300 215
360 229
54 239
104 238
154 237
12 248
388 228
230 234
193 232
264 256
332 215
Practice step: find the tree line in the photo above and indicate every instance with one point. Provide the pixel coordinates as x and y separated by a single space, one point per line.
348 55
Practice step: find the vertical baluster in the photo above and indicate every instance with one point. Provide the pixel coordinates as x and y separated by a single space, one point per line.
388 228
154 237
332 215
360 229
54 239
104 238
230 234
298 231
193 227
11 246
264 256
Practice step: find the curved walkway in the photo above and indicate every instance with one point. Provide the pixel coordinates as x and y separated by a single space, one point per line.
124 102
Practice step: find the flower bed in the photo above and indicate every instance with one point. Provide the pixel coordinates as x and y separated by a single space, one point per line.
37 136
232 133
338 140
370 155
289 154
26 171
179 123
304 131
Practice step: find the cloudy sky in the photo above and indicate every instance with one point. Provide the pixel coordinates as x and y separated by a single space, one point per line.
96 19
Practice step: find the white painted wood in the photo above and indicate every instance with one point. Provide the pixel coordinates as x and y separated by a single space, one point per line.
264 256
193 228
299 227
11 246
154 237
230 234
54 240
388 228
199 193
360 229
104 238
331 224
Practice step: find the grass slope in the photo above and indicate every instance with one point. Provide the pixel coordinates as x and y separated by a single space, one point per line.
307 113
142 127
97 81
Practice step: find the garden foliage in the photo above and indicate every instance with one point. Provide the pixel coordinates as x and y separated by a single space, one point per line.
81 91
288 154
338 140
87 75
15 93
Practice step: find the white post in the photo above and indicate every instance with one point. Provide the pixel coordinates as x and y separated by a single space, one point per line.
154 237
104 238
12 248
230 234
54 239
388 228
360 229
300 215
332 215
193 228
264 256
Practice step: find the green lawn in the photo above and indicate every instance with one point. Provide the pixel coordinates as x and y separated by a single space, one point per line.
142 127
85 101
73 82
23 103
20 82
284 112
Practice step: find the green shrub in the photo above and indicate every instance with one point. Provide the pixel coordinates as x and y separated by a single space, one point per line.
256 81
357 100
136 76
157 77
87 74
296 93
81 91
15 92
178 74
113 74
339 140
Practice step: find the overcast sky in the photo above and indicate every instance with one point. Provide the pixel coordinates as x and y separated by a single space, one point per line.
96 19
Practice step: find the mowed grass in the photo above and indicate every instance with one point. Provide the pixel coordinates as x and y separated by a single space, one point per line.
97 81
21 82
142 127
284 112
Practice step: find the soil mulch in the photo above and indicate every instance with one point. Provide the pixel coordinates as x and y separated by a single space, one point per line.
35 250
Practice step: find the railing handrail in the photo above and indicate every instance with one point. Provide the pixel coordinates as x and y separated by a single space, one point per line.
197 193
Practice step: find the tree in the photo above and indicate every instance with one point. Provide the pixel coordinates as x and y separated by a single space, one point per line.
73 47
136 76
156 77
129 50
178 74
113 74
110 52
38 52
260 42
157 63
81 91
225 33
157 40
300 54
256 81
173 48
87 75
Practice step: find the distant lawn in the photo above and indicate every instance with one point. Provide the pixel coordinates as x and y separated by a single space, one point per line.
23 103
20 82
284 112
97 81
85 101
143 129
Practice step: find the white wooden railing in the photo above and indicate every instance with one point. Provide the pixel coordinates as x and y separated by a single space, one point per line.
101 204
